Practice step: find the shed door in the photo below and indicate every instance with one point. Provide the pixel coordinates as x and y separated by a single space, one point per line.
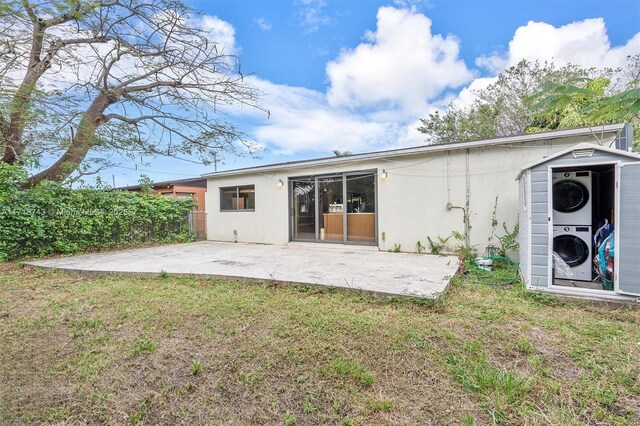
628 244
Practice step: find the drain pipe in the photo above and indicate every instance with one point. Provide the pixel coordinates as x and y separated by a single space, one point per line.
464 220
467 224
450 206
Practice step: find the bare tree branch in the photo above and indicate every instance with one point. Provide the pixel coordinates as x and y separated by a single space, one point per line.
129 75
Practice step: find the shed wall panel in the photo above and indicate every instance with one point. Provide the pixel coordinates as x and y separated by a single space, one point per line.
540 218
540 260
539 276
523 220
539 226
539 239
539 230
628 257
539 197
539 207
539 187
539 176
539 249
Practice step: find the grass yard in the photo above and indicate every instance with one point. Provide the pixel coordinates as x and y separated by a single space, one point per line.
165 350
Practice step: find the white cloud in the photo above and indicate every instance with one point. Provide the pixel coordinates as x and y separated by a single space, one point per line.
263 24
400 72
312 14
408 134
377 91
302 120
400 65
220 32
467 96
583 43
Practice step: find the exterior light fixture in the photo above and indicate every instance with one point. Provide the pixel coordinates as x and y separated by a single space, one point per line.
384 174
280 183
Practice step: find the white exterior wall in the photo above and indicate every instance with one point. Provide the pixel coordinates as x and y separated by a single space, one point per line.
267 224
412 201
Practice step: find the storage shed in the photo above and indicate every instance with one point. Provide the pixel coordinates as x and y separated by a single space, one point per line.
580 223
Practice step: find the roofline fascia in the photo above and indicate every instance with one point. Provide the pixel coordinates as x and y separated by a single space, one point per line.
582 145
164 183
609 128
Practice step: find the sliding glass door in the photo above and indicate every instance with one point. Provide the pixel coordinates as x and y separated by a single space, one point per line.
304 209
361 208
339 208
331 208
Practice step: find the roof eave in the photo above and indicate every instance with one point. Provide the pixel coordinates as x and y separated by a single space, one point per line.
609 128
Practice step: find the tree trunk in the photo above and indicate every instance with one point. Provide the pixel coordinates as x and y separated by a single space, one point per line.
80 145
19 105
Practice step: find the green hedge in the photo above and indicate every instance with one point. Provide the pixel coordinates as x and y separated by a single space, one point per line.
51 219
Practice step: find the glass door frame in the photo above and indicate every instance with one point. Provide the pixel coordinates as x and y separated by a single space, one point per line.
343 176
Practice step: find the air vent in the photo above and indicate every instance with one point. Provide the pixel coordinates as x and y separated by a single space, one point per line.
582 153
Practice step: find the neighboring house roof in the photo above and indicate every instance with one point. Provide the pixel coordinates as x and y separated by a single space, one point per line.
515 139
197 182
585 146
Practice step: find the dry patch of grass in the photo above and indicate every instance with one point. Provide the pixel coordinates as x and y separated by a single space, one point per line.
167 350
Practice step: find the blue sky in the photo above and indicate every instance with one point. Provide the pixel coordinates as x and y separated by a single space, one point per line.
357 75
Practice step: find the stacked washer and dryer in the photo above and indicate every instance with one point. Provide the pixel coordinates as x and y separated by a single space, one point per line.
572 222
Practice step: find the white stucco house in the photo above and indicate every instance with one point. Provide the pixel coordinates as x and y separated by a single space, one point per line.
391 198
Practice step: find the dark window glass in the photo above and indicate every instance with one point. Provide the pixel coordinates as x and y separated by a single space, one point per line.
247 200
238 198
361 208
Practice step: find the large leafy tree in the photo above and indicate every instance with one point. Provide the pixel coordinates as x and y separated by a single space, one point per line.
591 101
512 104
136 77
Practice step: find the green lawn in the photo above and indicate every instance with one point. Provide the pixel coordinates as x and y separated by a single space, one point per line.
164 350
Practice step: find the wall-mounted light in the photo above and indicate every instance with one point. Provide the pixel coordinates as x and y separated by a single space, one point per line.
280 183
384 174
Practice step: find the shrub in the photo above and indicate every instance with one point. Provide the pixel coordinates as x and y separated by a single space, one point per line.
52 219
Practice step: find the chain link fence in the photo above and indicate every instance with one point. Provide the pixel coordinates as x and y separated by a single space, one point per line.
198 225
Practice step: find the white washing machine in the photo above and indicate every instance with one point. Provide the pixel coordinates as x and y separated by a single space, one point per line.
573 244
572 198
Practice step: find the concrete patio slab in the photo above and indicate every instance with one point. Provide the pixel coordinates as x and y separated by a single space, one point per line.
354 267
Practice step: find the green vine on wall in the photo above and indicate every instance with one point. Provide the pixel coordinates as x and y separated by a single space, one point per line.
508 241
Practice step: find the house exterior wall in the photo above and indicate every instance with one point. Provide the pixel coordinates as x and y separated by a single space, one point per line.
198 195
525 222
411 201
